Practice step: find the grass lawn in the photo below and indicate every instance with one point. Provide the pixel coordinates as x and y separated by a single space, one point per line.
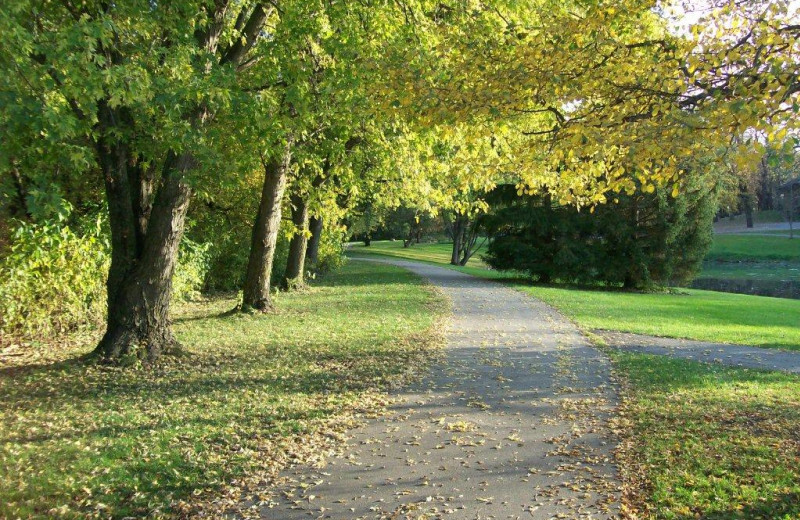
766 271
754 248
702 441
438 252
693 314
258 391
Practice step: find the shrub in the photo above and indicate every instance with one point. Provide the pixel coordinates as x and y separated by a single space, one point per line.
331 249
642 241
53 279
194 261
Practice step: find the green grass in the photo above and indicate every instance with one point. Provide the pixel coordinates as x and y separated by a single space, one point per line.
753 248
766 271
81 441
763 262
438 253
693 314
702 441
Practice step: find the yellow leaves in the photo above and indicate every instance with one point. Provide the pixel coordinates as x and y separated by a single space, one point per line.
777 134
460 426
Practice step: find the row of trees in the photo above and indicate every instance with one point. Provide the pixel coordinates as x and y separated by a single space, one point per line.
322 107
757 186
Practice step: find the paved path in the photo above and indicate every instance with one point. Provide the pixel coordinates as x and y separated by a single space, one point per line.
510 424
727 228
734 355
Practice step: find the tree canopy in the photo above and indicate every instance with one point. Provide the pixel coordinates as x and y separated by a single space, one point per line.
142 107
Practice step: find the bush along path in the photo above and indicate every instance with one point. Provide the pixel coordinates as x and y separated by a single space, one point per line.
510 423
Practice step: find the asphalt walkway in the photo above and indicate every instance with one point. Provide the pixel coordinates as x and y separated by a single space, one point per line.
509 424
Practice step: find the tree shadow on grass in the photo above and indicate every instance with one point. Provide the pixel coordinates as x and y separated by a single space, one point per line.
120 440
78 362
691 415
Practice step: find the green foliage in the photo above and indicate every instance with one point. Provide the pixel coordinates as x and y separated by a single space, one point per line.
258 393
331 249
192 270
228 260
643 240
52 280
282 248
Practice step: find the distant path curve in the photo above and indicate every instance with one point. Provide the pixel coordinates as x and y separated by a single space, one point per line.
511 423
723 353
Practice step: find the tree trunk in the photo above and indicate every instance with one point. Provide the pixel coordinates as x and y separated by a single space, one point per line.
293 278
145 239
457 234
21 194
469 239
746 203
312 252
748 212
265 234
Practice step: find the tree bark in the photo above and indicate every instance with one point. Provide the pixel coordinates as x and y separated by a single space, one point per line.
748 212
468 239
144 255
746 203
294 276
457 234
312 252
265 234
21 193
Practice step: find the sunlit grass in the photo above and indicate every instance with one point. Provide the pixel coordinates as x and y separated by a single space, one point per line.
438 252
693 314
754 248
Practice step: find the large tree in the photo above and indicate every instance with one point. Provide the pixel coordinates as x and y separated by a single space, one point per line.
142 83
